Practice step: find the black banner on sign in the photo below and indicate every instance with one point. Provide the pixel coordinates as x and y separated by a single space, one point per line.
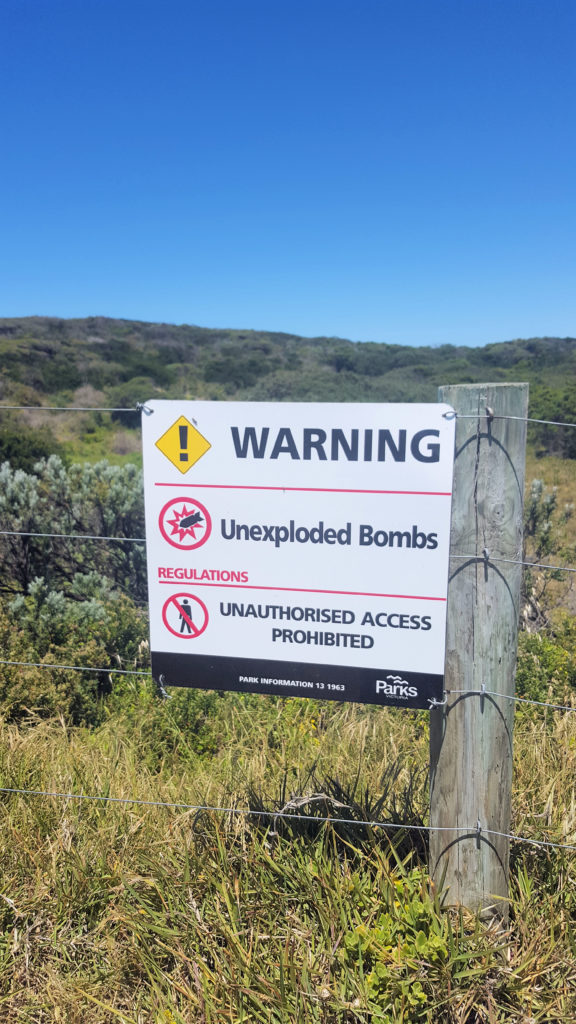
298 679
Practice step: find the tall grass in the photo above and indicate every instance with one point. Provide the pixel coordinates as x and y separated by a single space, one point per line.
119 912
156 915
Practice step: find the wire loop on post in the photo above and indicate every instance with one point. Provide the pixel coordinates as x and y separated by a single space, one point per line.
437 703
515 561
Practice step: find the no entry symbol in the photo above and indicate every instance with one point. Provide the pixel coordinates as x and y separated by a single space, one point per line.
185 523
185 615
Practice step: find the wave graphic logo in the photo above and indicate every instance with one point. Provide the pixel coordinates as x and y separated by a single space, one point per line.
395 686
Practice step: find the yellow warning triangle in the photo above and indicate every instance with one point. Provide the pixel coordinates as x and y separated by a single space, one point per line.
183 444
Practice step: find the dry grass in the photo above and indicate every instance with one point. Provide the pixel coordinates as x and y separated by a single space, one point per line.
147 915
123 912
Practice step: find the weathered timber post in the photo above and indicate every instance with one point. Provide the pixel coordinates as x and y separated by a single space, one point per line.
471 735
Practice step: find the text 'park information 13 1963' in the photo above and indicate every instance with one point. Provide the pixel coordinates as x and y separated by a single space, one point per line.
299 548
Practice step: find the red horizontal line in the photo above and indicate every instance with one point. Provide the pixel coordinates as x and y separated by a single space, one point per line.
323 490
303 590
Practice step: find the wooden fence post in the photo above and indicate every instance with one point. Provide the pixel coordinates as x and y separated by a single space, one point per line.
471 735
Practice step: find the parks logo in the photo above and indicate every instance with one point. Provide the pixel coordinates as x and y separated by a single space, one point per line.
395 686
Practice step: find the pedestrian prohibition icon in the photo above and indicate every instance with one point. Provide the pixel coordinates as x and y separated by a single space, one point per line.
185 523
185 615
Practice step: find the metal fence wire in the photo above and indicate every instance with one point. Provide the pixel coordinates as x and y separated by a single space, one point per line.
485 558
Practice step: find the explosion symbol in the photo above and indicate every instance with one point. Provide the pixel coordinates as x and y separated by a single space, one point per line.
185 523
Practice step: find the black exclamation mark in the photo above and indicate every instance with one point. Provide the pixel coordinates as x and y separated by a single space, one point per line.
183 443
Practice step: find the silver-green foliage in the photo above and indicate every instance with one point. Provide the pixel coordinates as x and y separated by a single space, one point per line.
69 600
99 500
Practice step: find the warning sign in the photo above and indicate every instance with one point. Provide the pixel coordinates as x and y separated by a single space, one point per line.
185 523
185 616
314 542
183 444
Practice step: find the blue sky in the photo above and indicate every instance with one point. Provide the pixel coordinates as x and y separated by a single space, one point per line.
400 172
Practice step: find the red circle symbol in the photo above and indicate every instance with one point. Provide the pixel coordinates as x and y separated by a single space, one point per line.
185 523
185 615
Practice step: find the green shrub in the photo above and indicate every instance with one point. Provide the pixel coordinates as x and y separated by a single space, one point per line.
23 447
171 731
547 664
414 951
105 631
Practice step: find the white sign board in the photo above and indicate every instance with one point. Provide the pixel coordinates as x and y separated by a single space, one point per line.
299 548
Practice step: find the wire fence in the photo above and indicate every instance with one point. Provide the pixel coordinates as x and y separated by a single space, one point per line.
138 408
485 559
79 668
142 407
490 415
483 692
475 831
72 536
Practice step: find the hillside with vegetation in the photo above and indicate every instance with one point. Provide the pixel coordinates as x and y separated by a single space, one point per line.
150 909
117 363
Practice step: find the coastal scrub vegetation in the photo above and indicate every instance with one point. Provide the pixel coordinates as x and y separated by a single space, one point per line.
148 909
100 362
